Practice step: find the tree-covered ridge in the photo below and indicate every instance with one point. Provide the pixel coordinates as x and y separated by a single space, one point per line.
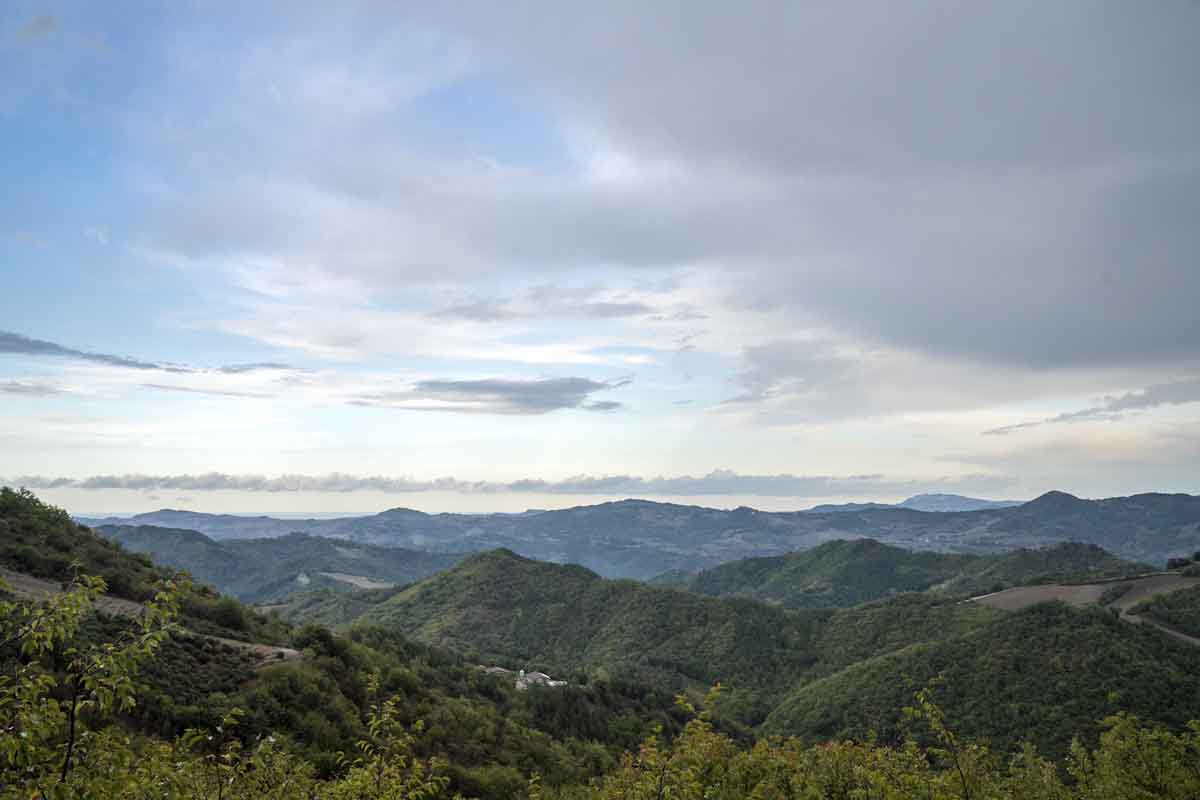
503 608
1044 674
270 569
845 573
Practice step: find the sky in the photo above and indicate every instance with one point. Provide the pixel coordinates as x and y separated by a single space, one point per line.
471 256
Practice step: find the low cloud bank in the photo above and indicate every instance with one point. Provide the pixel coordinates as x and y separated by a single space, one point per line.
717 482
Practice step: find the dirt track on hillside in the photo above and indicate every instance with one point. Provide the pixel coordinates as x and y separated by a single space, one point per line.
33 588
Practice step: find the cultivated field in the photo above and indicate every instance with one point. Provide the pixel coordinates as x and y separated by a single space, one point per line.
1082 594
1139 589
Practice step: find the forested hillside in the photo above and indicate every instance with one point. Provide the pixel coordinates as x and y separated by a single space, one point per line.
508 608
847 572
493 736
269 569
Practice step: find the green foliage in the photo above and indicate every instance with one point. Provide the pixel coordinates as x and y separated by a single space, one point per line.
516 612
41 540
60 736
1179 609
1044 675
845 573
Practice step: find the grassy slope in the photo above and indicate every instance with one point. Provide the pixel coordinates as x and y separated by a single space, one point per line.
848 572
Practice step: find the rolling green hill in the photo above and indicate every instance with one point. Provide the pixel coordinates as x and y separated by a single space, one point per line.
1043 674
515 610
269 569
848 572
815 672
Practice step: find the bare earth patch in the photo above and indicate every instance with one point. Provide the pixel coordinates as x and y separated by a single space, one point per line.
1139 589
360 581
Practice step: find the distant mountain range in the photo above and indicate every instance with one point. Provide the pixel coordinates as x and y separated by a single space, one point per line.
642 539
265 570
934 503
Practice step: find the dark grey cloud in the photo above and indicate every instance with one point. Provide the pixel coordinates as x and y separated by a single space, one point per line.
1163 394
497 396
29 389
1009 184
717 482
165 387
851 86
17 344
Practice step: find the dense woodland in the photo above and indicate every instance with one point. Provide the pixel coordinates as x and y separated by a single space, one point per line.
911 696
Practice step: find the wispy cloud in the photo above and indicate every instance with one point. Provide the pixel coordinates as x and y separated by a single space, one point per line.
165 387
17 344
1162 394
497 396
717 482
40 26
552 301
29 389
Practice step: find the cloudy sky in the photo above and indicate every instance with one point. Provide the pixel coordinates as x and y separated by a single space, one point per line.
499 256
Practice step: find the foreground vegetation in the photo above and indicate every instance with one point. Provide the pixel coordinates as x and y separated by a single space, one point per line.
60 737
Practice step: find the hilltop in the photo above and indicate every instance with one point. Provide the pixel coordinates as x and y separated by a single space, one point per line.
641 539
848 572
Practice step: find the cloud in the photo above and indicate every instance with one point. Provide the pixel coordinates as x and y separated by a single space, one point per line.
17 344
784 368
546 301
163 387
29 389
826 162
262 366
40 26
1163 394
97 234
717 482
496 396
